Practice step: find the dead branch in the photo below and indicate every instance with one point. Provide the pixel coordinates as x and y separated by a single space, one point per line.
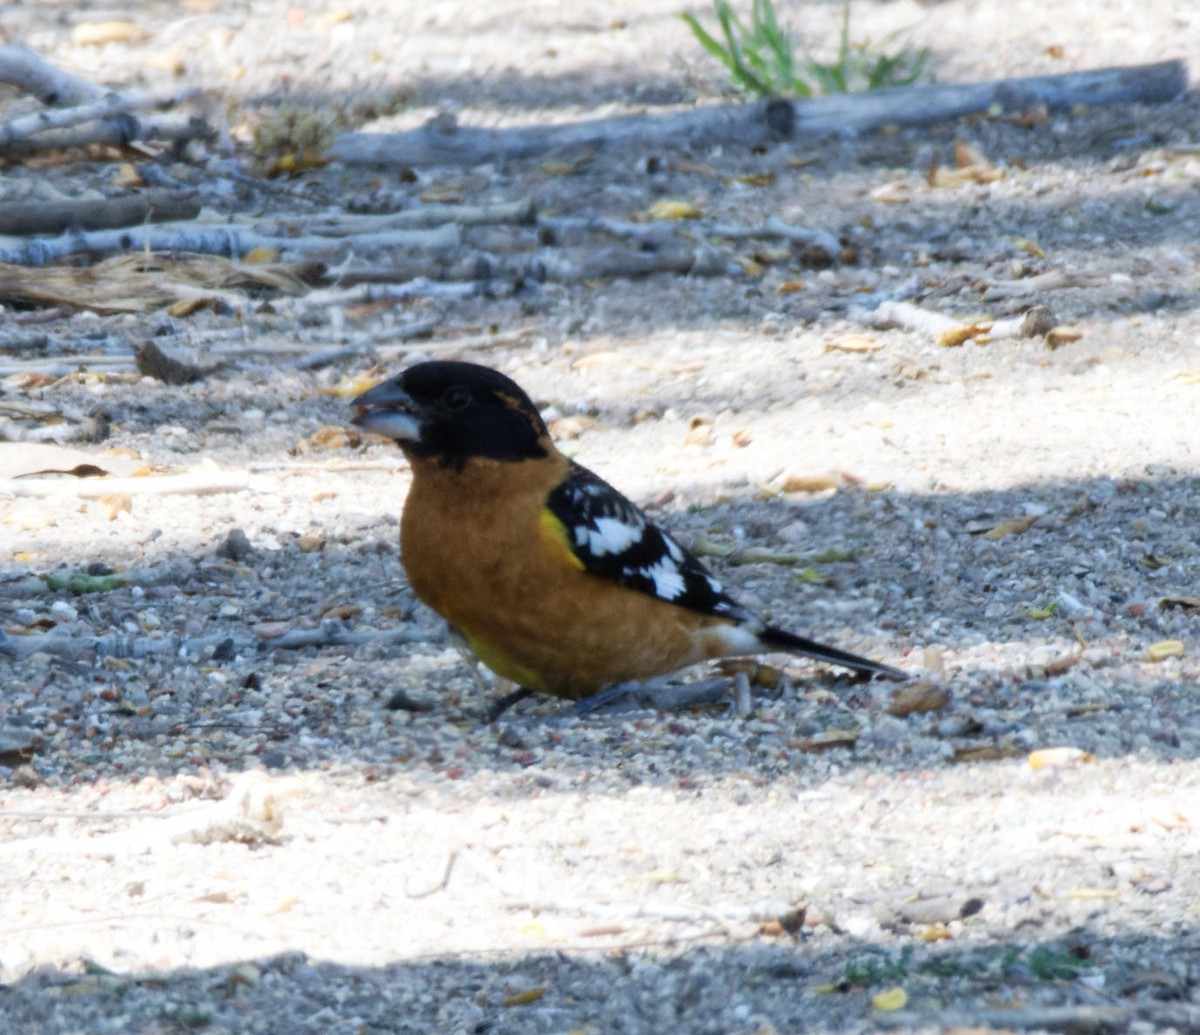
27 126
911 317
227 239
522 213
1051 280
664 233
441 141
1069 1020
21 67
330 633
22 218
114 131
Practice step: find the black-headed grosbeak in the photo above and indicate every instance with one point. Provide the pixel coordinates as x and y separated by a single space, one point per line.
553 578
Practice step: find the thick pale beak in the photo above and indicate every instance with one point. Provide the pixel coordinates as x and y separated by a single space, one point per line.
387 409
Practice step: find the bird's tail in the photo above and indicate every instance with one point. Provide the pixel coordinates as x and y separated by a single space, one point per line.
778 639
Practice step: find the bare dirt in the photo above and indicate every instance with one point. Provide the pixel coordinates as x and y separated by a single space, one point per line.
244 839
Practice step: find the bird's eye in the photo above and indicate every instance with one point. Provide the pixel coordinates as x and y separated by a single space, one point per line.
456 397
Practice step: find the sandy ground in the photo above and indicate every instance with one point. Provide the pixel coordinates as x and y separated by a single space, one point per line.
247 840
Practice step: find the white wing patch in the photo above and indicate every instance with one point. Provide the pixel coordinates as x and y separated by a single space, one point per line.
609 535
668 580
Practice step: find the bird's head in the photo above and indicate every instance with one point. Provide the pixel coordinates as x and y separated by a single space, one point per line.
453 412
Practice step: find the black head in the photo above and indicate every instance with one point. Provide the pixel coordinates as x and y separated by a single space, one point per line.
453 412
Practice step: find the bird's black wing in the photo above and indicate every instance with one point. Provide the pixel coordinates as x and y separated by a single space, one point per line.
613 538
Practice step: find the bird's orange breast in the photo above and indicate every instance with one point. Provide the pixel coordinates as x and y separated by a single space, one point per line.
480 548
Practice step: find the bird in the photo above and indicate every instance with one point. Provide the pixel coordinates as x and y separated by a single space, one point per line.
554 579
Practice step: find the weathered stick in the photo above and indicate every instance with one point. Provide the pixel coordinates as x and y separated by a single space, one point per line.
521 212
21 67
22 218
27 126
115 130
442 142
330 633
231 239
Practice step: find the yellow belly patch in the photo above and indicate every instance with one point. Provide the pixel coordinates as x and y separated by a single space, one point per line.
503 666
558 537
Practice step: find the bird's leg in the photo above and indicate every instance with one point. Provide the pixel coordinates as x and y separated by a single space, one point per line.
743 706
609 695
661 694
507 701
459 642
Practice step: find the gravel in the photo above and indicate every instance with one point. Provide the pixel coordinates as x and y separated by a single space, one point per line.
204 828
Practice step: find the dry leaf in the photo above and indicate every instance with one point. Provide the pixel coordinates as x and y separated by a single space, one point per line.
446 194
892 999
96 34
790 287
261 256
530 995
343 611
985 752
754 179
1164 649
742 437
552 167
1062 756
825 741
1030 117
311 543
854 343
810 482
1029 247
1093 894
117 504
895 193
921 697
1062 335
1188 605
352 386
1011 526
1062 663
700 432
938 932
128 176
573 426
954 336
188 306
1184 379
967 156
672 209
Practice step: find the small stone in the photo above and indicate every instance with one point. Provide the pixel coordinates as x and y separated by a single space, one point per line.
236 546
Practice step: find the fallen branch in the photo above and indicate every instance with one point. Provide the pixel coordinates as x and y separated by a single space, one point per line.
441 141
22 68
1052 280
114 131
521 212
1069 1020
330 633
664 234
111 104
231 240
911 317
22 218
